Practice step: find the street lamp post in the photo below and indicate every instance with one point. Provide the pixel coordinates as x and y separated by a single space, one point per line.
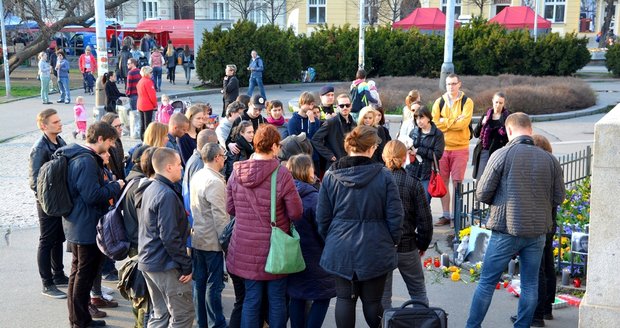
360 57
447 67
5 54
102 53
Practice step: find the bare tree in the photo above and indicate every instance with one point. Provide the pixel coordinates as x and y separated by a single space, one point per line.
528 3
273 9
243 7
184 9
479 3
408 6
390 10
72 12
609 13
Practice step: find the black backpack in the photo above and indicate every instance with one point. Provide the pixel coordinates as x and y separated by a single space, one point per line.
143 61
112 237
359 100
52 188
442 102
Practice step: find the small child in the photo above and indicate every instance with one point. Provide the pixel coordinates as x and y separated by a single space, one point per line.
80 117
165 110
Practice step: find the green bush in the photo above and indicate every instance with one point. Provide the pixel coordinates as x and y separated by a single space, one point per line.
612 59
479 49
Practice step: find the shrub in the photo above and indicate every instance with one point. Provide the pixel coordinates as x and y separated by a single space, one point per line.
612 59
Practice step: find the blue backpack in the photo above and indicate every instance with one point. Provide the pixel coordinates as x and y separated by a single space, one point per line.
112 237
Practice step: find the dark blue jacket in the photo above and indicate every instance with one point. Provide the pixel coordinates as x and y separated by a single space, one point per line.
360 216
163 229
313 283
90 193
298 124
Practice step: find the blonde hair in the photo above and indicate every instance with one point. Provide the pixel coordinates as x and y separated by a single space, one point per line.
146 70
306 98
363 112
155 134
412 96
394 154
170 50
300 165
164 96
79 99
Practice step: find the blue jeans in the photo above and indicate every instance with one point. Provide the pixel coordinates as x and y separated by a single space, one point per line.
156 77
276 293
208 274
425 185
256 81
499 252
63 85
313 319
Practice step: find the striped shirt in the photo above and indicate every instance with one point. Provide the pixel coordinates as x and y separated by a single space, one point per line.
133 77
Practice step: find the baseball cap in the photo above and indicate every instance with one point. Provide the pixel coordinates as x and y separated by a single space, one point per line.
258 101
326 89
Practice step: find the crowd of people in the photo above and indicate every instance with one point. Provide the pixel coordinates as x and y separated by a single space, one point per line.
201 200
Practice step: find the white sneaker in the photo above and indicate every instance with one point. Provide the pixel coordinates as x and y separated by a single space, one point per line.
107 290
107 297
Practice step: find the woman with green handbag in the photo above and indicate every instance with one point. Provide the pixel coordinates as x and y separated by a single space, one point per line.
359 215
263 198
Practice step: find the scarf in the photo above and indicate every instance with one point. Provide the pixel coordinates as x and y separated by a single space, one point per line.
485 134
278 122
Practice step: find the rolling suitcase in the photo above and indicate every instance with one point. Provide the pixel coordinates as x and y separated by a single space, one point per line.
417 316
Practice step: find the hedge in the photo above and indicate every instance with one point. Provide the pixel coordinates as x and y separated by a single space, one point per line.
479 49
612 59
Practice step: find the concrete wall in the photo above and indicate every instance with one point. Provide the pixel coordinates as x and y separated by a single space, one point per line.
601 305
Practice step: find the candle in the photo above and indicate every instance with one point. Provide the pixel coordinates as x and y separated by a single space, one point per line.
577 282
565 277
445 260
436 262
511 267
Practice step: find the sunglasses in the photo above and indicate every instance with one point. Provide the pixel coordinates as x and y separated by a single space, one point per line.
344 105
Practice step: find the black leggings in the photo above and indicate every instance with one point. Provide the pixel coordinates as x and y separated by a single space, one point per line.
147 117
347 292
172 73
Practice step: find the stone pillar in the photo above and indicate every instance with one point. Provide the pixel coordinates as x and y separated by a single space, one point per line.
600 306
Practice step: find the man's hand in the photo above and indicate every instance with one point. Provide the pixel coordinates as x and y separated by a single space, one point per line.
121 183
333 158
233 148
226 78
185 279
311 116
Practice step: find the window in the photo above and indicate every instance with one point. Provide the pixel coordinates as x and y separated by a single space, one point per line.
257 15
149 9
457 7
554 10
316 11
219 10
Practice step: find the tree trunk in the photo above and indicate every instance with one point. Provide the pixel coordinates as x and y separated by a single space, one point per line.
609 13
32 50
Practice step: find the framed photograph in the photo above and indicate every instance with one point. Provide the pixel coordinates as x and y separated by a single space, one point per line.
579 242
478 243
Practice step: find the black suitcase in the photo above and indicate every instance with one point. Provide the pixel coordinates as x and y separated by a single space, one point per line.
417 316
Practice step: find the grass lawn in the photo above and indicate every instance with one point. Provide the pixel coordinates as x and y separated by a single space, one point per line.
24 83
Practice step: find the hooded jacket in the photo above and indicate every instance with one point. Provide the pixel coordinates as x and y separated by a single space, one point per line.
130 204
249 200
89 192
456 133
313 283
298 124
360 216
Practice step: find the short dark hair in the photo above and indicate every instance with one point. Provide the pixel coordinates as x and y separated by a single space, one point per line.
146 161
109 117
44 115
423 111
234 107
361 74
133 61
451 76
244 99
209 152
100 129
163 156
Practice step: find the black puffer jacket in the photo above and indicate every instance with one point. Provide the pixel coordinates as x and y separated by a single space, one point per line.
130 204
426 145
40 153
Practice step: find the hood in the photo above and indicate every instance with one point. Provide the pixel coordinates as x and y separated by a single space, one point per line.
252 173
304 188
142 185
135 173
74 150
355 171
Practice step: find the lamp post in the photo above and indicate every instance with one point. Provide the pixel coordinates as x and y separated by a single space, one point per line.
360 56
102 54
447 67
5 54
535 20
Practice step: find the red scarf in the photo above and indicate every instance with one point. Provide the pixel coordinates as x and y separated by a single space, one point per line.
278 122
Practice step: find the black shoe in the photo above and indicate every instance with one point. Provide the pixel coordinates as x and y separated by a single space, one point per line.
60 101
97 323
53 292
61 281
535 322
47 103
548 316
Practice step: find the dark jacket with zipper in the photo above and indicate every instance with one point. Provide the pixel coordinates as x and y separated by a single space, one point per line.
496 139
130 204
328 141
231 89
40 153
426 145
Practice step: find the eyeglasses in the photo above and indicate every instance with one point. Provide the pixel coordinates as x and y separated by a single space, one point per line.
344 105
453 83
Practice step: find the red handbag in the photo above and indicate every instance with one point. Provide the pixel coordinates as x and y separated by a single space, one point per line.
436 187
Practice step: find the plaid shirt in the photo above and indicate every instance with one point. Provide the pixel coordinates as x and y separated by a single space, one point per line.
417 224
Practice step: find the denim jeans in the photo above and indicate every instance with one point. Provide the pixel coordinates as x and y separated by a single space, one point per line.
425 186
499 252
208 274
256 81
276 294
410 268
63 85
315 316
156 77
45 88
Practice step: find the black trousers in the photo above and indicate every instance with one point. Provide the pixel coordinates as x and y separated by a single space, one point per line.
147 117
172 73
49 253
347 293
235 316
546 280
84 269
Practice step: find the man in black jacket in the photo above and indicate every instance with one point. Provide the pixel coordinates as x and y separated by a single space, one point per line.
328 141
163 229
230 88
49 253
91 196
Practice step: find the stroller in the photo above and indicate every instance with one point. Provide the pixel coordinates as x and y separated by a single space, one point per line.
180 106
143 61
89 82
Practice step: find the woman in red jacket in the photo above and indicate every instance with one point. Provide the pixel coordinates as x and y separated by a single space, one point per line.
249 200
147 98
88 67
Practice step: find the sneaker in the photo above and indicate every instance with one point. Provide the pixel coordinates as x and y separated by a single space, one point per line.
61 281
107 290
103 303
107 297
75 133
53 292
97 323
535 322
95 313
548 316
59 101
442 221
66 102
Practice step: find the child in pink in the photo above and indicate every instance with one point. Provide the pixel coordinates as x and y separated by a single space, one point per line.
165 110
80 118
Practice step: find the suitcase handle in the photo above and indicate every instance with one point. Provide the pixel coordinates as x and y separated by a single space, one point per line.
413 302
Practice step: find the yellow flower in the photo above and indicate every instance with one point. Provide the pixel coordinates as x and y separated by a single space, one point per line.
472 271
565 240
455 276
555 251
478 265
579 217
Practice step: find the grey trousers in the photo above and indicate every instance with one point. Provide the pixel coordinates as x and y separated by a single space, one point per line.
172 301
410 267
